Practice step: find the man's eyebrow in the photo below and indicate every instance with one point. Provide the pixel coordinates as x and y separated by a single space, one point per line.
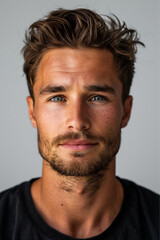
97 88
91 88
52 89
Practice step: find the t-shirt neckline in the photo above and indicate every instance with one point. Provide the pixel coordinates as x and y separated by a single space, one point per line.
47 231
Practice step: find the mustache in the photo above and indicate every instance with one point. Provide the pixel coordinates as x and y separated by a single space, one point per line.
70 136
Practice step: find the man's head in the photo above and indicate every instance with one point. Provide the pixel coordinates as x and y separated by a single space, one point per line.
79 69
77 29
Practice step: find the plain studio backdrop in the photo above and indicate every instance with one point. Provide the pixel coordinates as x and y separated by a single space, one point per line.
138 158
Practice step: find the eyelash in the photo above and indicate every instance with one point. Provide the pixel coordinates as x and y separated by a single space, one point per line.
60 98
51 99
99 98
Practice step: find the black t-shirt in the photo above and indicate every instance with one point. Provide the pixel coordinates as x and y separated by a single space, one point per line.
138 218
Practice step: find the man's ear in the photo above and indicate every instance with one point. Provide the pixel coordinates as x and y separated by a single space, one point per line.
31 111
127 111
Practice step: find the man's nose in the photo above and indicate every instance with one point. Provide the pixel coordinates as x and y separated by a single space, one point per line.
78 116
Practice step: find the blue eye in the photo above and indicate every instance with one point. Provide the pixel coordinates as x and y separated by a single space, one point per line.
57 99
97 98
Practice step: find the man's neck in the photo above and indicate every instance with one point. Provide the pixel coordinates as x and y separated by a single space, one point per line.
80 207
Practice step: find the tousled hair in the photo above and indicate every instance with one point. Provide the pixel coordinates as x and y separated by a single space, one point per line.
81 28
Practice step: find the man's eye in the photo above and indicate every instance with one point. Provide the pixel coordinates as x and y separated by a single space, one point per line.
57 99
97 98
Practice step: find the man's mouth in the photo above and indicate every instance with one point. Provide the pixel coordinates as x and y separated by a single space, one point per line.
78 145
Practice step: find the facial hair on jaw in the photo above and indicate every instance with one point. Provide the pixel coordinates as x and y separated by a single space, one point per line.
76 167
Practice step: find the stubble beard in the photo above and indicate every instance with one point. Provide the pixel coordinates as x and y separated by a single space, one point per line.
79 164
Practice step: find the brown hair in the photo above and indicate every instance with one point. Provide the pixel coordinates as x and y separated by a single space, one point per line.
81 28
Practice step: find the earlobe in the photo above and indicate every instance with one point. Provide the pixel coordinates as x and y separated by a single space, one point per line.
127 111
31 111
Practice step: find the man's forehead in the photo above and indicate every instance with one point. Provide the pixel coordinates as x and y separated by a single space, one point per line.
67 66
77 60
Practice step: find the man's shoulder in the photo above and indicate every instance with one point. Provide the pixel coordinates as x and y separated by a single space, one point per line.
144 204
12 193
141 191
13 211
13 198
12 190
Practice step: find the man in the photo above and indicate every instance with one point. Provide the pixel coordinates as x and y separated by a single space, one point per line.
79 70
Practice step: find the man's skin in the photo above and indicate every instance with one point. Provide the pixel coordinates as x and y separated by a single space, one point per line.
65 101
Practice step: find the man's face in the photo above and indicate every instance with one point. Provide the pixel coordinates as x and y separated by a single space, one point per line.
78 110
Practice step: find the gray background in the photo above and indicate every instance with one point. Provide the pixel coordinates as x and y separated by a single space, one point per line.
138 158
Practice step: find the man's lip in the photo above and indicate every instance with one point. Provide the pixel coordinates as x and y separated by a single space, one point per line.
78 142
78 145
